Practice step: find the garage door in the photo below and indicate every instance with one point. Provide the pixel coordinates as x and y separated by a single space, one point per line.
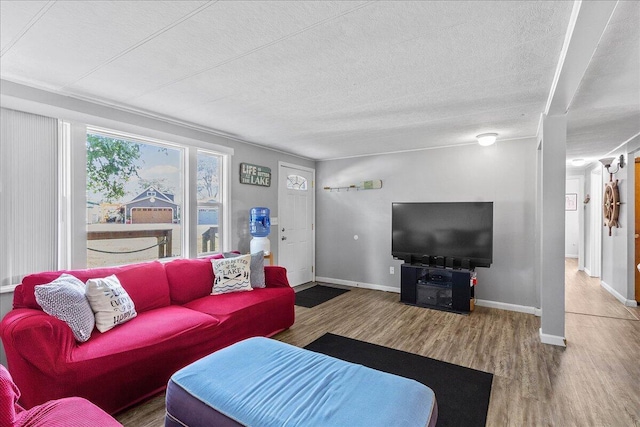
151 215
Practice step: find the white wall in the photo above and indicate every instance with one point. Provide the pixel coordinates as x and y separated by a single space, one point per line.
593 221
503 173
572 220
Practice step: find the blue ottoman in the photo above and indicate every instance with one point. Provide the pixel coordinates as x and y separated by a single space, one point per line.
264 382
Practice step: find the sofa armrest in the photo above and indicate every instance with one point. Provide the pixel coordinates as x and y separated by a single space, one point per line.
275 276
38 338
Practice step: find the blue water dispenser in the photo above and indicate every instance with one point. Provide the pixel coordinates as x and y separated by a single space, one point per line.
260 227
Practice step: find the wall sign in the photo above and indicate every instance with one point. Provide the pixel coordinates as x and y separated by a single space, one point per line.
255 175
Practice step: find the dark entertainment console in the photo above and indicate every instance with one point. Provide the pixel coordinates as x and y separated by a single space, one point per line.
438 287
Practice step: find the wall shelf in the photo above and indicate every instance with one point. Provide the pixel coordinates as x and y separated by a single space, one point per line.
375 184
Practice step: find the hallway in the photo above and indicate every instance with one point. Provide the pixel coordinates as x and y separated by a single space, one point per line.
585 296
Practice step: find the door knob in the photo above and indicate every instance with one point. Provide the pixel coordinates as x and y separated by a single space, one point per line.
283 238
636 236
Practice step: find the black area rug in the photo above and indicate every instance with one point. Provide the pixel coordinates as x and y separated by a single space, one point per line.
462 393
317 295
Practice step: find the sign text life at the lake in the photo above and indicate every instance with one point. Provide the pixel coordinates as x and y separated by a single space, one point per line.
255 175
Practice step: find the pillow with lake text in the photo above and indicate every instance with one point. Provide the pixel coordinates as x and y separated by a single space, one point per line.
110 302
231 275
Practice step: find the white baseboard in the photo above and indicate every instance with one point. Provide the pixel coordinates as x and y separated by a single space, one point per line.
479 302
358 284
571 255
508 307
619 297
552 339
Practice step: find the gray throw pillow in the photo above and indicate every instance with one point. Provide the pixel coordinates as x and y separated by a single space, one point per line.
257 268
65 299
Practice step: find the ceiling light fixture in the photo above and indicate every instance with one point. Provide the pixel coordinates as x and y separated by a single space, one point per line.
578 162
487 139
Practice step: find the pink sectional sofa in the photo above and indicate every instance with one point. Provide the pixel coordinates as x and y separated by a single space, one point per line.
178 322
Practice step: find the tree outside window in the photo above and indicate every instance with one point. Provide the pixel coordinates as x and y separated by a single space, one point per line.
134 200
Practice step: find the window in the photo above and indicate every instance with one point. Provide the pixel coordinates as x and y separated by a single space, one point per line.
134 199
209 169
138 206
296 182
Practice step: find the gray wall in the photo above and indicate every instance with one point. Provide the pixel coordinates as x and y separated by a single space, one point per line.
503 173
245 196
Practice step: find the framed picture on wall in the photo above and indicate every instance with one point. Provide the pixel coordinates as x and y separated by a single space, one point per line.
571 202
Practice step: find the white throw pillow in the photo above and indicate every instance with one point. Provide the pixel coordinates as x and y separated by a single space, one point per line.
231 275
110 302
65 299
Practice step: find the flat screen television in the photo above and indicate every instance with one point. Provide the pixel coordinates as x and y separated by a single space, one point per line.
455 233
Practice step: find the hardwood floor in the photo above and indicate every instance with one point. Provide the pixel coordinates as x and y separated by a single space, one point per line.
591 382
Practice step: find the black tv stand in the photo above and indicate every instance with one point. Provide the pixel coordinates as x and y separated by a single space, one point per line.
438 287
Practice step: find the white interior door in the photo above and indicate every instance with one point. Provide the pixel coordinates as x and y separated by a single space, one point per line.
295 222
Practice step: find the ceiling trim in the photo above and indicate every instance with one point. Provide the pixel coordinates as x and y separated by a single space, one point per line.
142 42
587 24
27 27
254 50
637 135
439 147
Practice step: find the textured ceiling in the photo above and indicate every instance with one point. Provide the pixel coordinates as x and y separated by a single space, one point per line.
327 79
606 109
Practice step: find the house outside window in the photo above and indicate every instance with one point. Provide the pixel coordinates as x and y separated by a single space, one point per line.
137 203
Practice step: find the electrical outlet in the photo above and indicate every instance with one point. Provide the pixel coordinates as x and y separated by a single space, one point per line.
392 270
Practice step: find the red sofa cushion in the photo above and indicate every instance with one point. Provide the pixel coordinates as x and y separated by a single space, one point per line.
189 279
27 299
147 285
146 330
261 312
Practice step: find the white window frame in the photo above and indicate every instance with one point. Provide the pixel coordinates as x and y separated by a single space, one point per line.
72 200
221 205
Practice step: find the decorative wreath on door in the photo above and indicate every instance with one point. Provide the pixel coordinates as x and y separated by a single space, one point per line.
611 204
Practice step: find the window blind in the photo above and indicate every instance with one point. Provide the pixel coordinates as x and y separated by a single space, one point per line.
28 195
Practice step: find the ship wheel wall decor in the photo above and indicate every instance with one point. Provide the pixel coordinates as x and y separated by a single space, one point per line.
611 205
